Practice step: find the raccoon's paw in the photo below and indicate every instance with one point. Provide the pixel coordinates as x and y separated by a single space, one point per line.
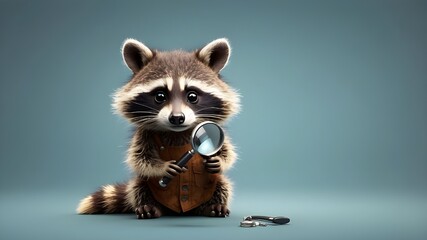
147 212
213 164
217 210
173 170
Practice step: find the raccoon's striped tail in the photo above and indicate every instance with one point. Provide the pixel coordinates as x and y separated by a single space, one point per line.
108 199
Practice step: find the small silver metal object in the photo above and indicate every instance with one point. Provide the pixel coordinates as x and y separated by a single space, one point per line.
247 223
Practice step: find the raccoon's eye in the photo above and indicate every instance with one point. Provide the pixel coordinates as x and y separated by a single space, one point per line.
192 97
160 97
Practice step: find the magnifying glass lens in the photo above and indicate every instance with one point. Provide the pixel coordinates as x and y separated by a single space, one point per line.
207 146
208 139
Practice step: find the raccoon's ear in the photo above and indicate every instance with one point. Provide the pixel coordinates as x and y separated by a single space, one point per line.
215 54
135 54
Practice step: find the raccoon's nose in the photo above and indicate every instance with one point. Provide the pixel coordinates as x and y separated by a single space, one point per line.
177 119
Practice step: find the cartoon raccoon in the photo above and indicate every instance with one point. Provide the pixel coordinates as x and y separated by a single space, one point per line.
168 95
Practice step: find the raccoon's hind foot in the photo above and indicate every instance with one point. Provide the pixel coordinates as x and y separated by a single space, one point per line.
216 210
147 212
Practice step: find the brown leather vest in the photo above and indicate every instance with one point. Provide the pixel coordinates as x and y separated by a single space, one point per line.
188 190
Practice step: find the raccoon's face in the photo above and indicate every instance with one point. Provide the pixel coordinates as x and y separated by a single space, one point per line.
174 91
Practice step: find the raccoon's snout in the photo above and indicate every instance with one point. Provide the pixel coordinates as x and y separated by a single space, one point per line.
177 119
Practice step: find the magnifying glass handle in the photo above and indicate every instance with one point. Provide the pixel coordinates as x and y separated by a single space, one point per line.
181 163
185 158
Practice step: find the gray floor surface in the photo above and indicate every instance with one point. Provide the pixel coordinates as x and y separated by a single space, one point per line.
314 215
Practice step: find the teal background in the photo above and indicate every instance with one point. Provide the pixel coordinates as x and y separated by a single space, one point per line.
332 133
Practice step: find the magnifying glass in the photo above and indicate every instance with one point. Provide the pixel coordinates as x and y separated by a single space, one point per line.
206 139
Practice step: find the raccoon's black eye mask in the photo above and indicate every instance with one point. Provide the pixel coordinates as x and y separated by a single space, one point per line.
145 105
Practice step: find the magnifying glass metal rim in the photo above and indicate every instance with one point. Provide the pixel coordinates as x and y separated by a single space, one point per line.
193 134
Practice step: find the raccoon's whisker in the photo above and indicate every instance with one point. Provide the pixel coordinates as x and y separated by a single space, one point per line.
212 116
143 105
145 121
139 120
209 115
209 106
206 108
150 112
141 124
